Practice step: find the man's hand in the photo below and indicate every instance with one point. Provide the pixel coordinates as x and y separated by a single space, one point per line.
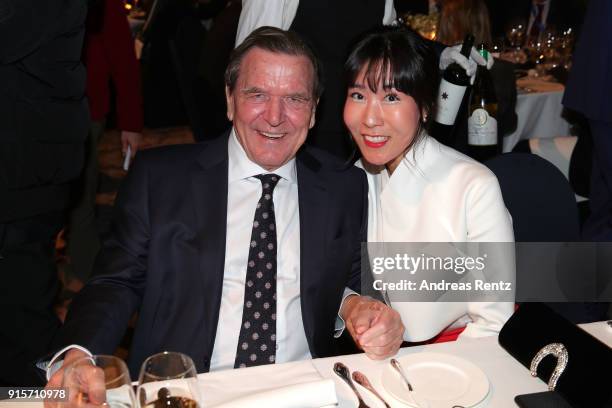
375 327
453 54
85 378
132 139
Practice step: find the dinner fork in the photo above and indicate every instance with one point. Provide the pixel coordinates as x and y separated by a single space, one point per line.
343 372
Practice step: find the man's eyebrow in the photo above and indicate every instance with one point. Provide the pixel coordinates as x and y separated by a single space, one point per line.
300 95
256 90
251 90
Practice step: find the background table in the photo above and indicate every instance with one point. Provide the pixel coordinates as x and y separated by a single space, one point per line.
539 112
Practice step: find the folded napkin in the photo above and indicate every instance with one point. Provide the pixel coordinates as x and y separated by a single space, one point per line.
313 394
289 385
538 85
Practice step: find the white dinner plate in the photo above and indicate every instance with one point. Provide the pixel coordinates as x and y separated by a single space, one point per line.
439 380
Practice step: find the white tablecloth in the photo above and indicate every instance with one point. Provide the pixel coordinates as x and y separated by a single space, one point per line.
507 376
539 114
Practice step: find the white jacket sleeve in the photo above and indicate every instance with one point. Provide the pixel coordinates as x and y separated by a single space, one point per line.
489 221
258 13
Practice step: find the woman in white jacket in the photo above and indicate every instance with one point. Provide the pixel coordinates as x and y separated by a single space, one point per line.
419 189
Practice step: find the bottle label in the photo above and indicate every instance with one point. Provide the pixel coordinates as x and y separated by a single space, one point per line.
482 128
449 101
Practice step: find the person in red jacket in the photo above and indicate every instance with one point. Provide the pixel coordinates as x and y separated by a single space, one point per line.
108 55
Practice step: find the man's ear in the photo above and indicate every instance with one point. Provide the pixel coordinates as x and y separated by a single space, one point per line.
229 100
313 114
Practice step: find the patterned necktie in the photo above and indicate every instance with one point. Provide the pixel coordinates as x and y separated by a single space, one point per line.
257 340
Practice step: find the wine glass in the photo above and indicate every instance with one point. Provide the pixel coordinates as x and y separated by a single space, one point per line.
515 33
497 46
169 380
566 46
98 380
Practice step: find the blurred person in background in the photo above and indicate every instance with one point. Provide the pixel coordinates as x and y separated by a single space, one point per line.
216 49
108 55
587 92
535 15
416 6
43 125
458 18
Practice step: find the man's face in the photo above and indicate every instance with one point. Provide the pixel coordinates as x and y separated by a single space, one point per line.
272 106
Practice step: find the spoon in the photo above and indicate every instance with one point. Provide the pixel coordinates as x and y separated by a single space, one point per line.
362 380
343 372
398 367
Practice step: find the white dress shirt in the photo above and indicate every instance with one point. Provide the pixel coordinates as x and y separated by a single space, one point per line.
437 194
280 13
244 191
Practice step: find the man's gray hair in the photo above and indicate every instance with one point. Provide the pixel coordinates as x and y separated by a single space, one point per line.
277 41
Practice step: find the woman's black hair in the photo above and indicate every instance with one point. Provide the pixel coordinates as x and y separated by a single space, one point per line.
396 57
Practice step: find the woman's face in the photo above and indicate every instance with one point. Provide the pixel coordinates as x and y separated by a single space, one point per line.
382 123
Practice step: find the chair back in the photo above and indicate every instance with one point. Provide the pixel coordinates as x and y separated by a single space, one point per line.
539 198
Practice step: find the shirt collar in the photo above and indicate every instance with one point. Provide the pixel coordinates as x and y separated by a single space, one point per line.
241 167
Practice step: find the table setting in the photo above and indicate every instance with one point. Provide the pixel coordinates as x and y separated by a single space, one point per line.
478 372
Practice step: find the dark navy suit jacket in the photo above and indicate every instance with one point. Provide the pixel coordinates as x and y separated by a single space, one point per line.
589 86
165 256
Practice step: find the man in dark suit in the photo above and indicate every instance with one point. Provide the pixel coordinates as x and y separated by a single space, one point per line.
587 92
43 124
187 251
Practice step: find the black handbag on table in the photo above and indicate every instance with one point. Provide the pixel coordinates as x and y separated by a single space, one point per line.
586 381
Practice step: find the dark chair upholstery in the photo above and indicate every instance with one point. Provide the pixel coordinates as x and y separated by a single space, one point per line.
539 198
543 209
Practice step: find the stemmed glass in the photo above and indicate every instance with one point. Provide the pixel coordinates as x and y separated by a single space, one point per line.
515 33
566 46
168 380
98 380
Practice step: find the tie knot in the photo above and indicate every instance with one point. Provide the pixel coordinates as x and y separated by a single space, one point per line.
268 181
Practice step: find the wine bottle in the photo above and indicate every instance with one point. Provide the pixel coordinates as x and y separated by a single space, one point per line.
483 140
450 95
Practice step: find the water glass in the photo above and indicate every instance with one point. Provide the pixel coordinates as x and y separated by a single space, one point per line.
98 381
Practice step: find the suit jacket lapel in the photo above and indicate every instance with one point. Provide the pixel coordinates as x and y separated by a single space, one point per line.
209 189
313 207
